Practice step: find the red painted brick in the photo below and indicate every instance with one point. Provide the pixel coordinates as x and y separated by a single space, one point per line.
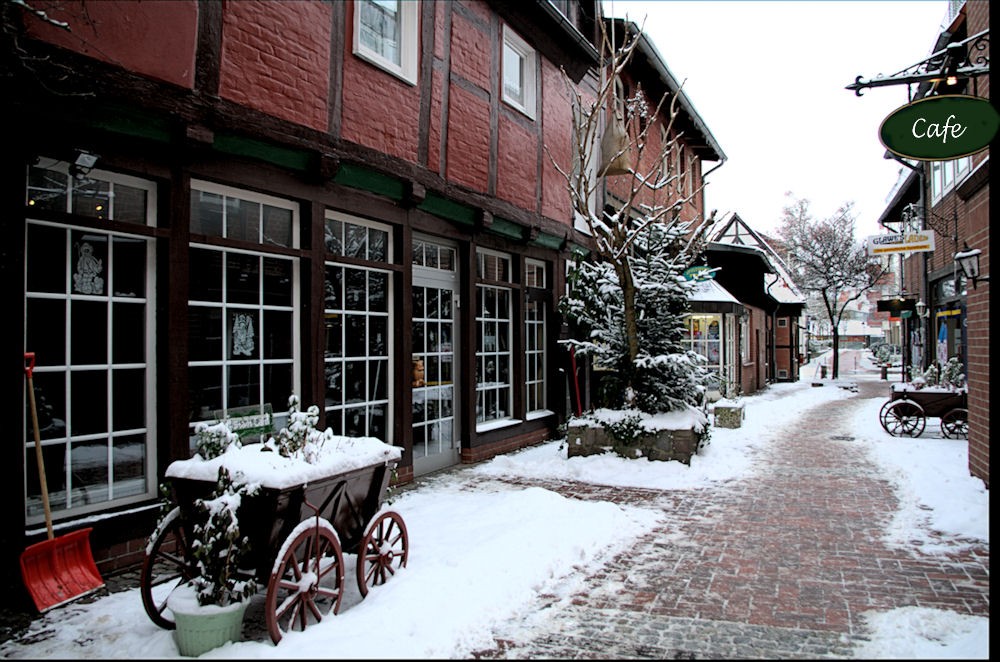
557 118
156 39
276 59
517 164
468 139
471 51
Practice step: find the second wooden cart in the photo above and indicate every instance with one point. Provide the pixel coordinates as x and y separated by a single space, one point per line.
906 412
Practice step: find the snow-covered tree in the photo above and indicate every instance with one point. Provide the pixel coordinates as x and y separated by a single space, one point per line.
828 261
628 297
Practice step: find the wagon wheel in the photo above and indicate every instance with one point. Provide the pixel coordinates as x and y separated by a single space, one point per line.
881 414
384 548
307 583
167 561
955 424
903 418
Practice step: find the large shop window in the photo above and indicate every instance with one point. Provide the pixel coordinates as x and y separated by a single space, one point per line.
242 311
536 298
386 34
89 304
703 335
493 339
357 359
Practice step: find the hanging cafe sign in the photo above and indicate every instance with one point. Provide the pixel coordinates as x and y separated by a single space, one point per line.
940 128
916 242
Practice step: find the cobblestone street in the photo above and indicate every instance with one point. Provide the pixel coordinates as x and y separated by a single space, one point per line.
778 564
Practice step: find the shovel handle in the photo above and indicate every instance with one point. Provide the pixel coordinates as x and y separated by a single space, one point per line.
39 459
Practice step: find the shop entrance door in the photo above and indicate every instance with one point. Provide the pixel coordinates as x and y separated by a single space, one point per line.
435 348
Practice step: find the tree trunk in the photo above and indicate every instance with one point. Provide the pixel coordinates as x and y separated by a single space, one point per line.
836 354
624 269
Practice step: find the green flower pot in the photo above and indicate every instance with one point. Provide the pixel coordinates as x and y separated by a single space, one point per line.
208 628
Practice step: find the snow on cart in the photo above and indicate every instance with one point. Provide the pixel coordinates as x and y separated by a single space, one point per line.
320 496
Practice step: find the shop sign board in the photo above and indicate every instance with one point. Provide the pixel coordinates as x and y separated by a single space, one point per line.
907 242
699 272
940 128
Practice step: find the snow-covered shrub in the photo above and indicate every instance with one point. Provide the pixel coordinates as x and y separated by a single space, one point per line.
300 438
214 438
952 374
218 547
931 375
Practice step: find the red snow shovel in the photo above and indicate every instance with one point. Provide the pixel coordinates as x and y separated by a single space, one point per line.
56 570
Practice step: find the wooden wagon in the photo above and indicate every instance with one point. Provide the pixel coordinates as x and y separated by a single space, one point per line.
298 536
906 412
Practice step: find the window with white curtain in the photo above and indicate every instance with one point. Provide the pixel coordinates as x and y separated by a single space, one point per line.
386 34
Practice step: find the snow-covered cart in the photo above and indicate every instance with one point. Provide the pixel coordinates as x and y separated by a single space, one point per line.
299 525
906 412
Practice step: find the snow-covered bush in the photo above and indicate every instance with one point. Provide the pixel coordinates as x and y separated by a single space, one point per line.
218 547
214 438
952 374
300 438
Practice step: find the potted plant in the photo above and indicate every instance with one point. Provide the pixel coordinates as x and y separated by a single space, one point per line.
209 609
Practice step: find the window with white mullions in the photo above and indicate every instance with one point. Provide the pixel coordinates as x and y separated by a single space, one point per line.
494 389
89 320
242 308
357 313
536 298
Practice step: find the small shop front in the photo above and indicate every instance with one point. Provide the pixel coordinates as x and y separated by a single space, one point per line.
712 329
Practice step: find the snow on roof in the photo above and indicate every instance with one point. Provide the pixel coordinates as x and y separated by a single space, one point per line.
710 290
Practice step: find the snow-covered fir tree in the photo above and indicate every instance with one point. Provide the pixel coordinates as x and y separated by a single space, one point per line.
628 298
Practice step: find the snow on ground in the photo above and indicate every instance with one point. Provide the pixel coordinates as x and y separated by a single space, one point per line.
482 550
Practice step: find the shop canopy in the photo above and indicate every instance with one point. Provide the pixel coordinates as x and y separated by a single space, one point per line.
708 296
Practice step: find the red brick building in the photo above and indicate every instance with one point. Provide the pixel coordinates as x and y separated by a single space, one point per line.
952 198
213 205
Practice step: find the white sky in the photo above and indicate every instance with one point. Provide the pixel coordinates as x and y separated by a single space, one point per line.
482 551
768 80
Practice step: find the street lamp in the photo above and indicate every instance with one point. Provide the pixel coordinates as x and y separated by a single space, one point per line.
922 311
968 260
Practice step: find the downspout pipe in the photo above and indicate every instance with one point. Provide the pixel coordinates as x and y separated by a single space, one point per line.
774 325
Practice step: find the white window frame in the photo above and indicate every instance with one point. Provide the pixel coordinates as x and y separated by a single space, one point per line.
369 403
529 60
409 38
946 175
484 389
66 501
295 361
535 354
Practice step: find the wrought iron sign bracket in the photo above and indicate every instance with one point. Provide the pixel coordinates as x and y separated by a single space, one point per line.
962 59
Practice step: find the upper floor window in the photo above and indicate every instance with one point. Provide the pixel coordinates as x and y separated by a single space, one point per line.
385 34
946 174
518 73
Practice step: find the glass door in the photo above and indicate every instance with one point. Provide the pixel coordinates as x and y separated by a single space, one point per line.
435 356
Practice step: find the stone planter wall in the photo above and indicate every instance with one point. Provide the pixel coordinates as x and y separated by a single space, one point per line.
677 445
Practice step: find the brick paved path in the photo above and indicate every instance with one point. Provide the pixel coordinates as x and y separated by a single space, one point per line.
778 564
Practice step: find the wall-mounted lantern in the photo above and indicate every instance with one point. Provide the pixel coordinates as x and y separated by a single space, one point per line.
968 260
